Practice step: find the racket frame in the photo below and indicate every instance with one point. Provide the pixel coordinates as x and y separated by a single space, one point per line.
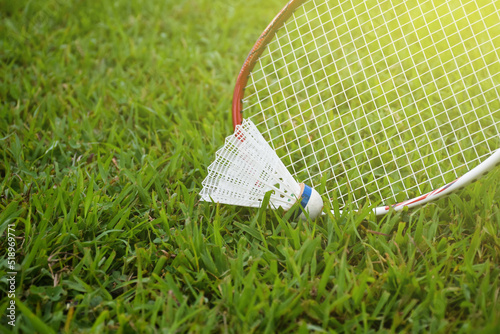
237 112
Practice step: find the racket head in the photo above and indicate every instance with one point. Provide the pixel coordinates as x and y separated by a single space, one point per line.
390 103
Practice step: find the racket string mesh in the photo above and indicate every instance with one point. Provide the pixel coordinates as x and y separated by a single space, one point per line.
383 100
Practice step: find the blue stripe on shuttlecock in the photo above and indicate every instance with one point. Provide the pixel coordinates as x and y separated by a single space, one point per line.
306 196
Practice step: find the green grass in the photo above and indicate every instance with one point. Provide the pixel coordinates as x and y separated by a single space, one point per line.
110 114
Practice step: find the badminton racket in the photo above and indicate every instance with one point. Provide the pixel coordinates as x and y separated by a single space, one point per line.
390 103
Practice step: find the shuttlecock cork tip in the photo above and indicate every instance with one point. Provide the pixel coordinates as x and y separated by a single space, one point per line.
311 201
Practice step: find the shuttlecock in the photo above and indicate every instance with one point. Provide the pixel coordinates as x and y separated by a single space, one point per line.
246 168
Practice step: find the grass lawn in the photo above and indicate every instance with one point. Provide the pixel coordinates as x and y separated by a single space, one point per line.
110 113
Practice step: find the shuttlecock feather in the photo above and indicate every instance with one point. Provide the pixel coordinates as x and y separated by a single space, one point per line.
246 168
